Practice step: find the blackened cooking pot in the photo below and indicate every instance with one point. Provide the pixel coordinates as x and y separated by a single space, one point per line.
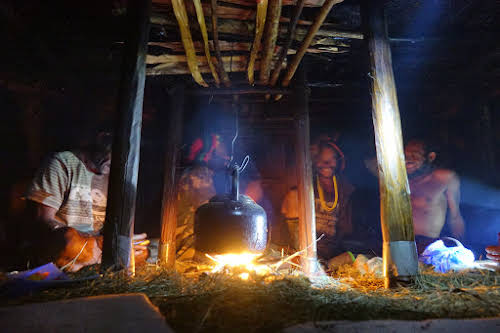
230 223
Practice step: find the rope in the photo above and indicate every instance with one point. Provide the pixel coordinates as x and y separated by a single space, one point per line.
72 262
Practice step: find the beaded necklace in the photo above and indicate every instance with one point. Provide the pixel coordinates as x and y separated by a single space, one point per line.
322 195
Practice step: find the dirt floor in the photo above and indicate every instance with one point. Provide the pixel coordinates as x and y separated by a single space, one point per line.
195 301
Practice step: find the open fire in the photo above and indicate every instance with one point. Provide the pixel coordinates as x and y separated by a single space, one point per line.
246 264
240 264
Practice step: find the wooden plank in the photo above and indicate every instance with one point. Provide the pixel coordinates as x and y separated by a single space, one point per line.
399 251
259 30
294 63
215 36
246 28
251 3
167 245
270 37
307 217
226 46
117 251
231 64
229 12
292 27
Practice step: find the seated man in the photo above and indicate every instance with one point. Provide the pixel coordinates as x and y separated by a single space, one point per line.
332 194
67 200
434 192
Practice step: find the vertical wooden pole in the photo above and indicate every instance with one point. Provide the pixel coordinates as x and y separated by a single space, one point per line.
167 247
307 217
120 211
399 251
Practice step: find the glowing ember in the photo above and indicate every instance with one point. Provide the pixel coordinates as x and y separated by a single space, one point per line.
242 263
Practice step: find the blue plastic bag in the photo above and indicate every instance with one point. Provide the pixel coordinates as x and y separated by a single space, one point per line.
445 258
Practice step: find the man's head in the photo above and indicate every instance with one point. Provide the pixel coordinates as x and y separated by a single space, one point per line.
99 152
419 156
327 159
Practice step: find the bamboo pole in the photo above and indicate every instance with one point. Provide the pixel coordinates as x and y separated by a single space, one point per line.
288 42
399 251
215 39
201 21
307 216
167 246
260 20
270 37
117 253
187 40
292 66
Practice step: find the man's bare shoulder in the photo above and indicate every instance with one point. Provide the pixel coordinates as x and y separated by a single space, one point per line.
444 176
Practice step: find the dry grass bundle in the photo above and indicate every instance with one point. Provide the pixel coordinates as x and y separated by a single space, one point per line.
217 302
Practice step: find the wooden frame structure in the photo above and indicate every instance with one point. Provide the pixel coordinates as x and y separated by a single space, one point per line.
399 246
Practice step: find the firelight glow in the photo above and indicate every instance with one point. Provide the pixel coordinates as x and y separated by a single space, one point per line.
239 261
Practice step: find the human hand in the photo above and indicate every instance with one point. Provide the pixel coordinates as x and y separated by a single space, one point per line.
140 244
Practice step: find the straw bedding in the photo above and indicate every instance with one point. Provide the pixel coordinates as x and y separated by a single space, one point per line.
196 302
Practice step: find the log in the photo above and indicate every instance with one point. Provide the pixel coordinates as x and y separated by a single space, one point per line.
270 37
292 67
307 217
215 36
187 40
167 246
259 30
203 28
288 41
399 251
117 253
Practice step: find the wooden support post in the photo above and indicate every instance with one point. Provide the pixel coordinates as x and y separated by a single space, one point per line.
399 251
307 216
167 247
120 211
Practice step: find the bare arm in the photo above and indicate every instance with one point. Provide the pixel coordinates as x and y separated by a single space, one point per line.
45 214
456 221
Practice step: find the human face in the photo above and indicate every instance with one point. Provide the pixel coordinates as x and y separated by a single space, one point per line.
415 157
326 162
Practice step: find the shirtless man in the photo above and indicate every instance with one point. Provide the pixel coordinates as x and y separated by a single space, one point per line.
434 192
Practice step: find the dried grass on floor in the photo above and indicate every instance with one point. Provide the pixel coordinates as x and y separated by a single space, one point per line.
217 302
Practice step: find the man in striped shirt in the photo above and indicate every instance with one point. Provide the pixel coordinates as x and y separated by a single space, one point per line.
67 198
